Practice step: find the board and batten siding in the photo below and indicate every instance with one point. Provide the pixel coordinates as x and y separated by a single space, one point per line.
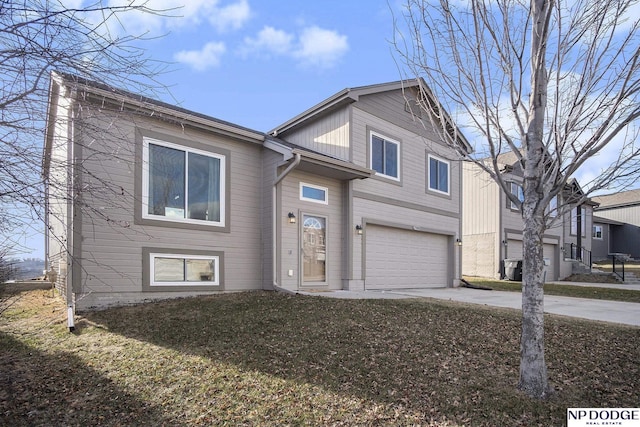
112 251
291 234
327 135
626 214
480 202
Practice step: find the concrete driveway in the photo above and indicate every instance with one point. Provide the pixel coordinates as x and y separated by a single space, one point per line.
626 313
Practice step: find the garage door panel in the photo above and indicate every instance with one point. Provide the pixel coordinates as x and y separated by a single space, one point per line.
397 258
514 250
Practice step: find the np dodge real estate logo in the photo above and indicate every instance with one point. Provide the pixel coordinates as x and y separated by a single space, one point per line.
587 417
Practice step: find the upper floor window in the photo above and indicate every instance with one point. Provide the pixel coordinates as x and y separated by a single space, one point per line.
552 209
516 190
583 221
385 156
597 232
438 174
182 184
313 193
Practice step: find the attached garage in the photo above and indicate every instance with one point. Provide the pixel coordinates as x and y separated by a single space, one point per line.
514 250
398 258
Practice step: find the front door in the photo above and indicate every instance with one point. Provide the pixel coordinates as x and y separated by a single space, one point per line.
314 251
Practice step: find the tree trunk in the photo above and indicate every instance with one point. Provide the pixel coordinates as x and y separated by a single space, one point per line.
533 369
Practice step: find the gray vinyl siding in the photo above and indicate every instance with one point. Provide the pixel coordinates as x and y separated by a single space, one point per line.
327 135
113 241
600 247
291 233
270 160
412 187
390 106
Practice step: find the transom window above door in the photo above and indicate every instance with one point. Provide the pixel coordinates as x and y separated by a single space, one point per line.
384 156
313 193
182 184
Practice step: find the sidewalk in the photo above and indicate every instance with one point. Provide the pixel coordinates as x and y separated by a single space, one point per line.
607 311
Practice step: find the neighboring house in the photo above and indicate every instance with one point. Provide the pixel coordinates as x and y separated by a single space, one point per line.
616 226
148 201
492 225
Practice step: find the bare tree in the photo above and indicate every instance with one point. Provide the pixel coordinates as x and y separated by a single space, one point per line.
36 38
555 82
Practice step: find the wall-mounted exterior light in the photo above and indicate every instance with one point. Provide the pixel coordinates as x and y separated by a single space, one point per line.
358 229
504 242
458 242
292 218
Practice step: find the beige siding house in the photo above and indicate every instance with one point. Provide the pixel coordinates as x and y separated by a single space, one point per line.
492 226
149 201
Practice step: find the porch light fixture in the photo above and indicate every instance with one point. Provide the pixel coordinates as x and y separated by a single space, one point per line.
458 242
504 242
292 218
358 229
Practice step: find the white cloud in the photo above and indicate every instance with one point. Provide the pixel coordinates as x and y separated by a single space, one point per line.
320 47
156 17
314 47
269 40
203 59
232 16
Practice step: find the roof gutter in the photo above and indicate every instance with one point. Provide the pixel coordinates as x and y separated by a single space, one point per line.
296 161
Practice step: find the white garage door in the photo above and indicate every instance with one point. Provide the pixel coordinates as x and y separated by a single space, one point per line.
549 261
397 258
514 250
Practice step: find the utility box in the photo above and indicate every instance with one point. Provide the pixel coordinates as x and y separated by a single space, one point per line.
513 269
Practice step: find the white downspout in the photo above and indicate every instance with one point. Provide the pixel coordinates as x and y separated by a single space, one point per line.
292 166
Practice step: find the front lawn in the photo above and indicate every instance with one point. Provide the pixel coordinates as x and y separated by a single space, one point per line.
593 292
266 358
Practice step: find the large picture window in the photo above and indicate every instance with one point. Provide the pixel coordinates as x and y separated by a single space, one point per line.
182 184
385 156
172 270
438 175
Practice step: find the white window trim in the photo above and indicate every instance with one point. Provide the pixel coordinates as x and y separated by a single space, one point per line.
512 205
393 141
440 159
153 256
145 183
316 187
593 235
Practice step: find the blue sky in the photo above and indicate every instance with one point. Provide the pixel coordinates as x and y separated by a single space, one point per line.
259 63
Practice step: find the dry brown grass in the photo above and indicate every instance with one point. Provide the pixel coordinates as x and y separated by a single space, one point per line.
272 359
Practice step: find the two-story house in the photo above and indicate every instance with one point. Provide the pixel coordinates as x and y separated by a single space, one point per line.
149 201
492 225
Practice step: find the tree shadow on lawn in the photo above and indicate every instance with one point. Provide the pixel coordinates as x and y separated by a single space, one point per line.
429 357
58 389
